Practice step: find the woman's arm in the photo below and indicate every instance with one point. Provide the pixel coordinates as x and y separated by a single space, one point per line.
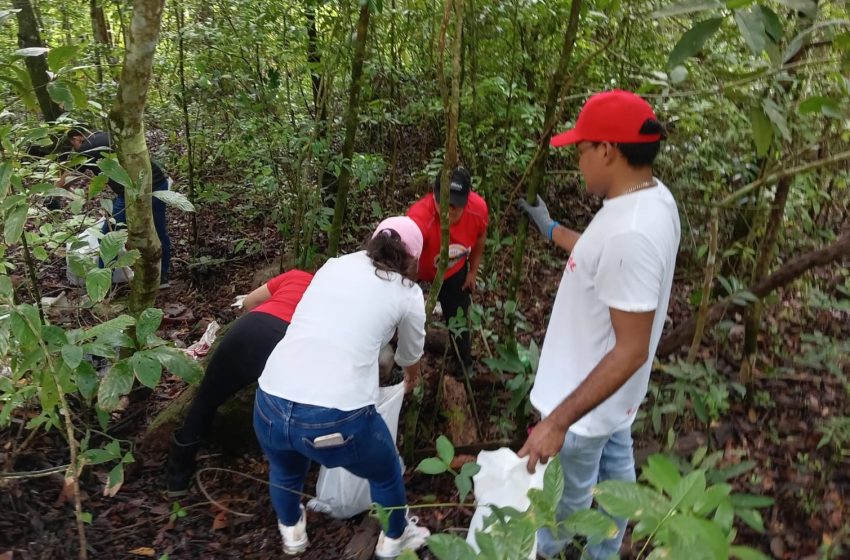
256 297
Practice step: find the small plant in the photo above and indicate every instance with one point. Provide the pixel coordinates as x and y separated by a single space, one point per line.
442 463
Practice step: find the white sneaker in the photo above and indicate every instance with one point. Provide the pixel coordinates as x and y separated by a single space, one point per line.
295 538
412 538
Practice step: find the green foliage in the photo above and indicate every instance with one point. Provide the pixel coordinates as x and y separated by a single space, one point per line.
442 463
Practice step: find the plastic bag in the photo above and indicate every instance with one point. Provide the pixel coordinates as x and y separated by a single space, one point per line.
89 250
503 481
339 493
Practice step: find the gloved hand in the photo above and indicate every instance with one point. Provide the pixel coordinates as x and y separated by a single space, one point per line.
539 214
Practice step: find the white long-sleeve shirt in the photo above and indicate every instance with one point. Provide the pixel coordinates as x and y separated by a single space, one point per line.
329 356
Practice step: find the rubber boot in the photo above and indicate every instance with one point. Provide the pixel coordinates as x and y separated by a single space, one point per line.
180 465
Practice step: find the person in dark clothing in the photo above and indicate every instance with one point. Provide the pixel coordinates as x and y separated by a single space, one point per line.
95 146
468 217
237 362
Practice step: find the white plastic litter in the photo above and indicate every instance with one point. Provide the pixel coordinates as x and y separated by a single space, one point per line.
503 481
339 493
89 250
239 301
202 347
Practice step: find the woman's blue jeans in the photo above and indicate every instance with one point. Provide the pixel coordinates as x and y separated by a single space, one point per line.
286 431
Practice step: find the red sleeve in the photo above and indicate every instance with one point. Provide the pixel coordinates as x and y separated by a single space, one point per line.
275 282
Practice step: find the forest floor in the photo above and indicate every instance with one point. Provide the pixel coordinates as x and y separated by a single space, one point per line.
776 427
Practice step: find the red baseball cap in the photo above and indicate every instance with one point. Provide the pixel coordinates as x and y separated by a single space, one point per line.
610 116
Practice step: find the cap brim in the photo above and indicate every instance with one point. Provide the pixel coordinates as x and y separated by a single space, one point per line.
458 200
565 138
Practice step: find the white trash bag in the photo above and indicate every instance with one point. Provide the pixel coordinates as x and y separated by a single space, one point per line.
339 493
503 481
89 250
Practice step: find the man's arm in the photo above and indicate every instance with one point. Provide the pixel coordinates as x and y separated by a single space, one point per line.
565 238
475 261
256 297
632 332
411 376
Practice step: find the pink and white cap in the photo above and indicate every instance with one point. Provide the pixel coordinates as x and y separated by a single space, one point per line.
407 230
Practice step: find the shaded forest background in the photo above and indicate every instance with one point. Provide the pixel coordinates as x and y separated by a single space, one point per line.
292 128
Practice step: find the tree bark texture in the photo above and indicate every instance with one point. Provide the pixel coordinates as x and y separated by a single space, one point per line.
28 37
129 133
786 274
352 116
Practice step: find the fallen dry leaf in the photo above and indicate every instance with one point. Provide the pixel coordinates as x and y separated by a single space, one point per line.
221 520
144 551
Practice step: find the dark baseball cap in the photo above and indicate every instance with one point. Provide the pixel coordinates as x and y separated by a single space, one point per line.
459 187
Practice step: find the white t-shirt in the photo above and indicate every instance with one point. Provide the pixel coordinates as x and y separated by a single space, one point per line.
624 260
329 356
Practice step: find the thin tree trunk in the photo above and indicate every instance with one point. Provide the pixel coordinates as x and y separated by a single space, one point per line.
28 37
100 32
786 274
708 280
538 167
129 130
352 116
187 131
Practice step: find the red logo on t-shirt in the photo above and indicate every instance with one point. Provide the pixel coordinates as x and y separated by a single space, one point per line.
571 264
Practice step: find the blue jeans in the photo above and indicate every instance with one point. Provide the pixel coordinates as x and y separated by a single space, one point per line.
585 462
286 431
118 214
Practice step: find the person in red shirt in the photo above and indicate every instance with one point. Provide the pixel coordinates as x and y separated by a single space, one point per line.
468 219
237 362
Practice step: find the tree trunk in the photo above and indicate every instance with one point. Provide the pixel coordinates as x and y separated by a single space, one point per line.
187 130
100 32
129 133
538 166
28 37
352 117
789 272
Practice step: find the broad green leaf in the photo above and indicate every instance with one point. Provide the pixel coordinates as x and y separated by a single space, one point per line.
470 469
591 523
697 534
72 355
821 104
58 57
687 7
119 323
5 178
176 199
661 473
128 258
777 116
712 498
61 93
689 490
114 481
97 184
724 515
111 244
445 449
732 471
81 100
31 51
97 456
177 362
148 370
464 486
746 553
752 518
86 379
98 282
16 217
772 24
553 479
432 465
693 40
631 500
751 501
738 4
117 383
751 26
112 169
148 322
450 547
762 130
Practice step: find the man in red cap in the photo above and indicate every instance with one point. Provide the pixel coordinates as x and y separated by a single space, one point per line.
610 308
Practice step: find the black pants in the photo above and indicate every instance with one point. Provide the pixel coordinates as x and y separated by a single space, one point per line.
237 362
452 298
